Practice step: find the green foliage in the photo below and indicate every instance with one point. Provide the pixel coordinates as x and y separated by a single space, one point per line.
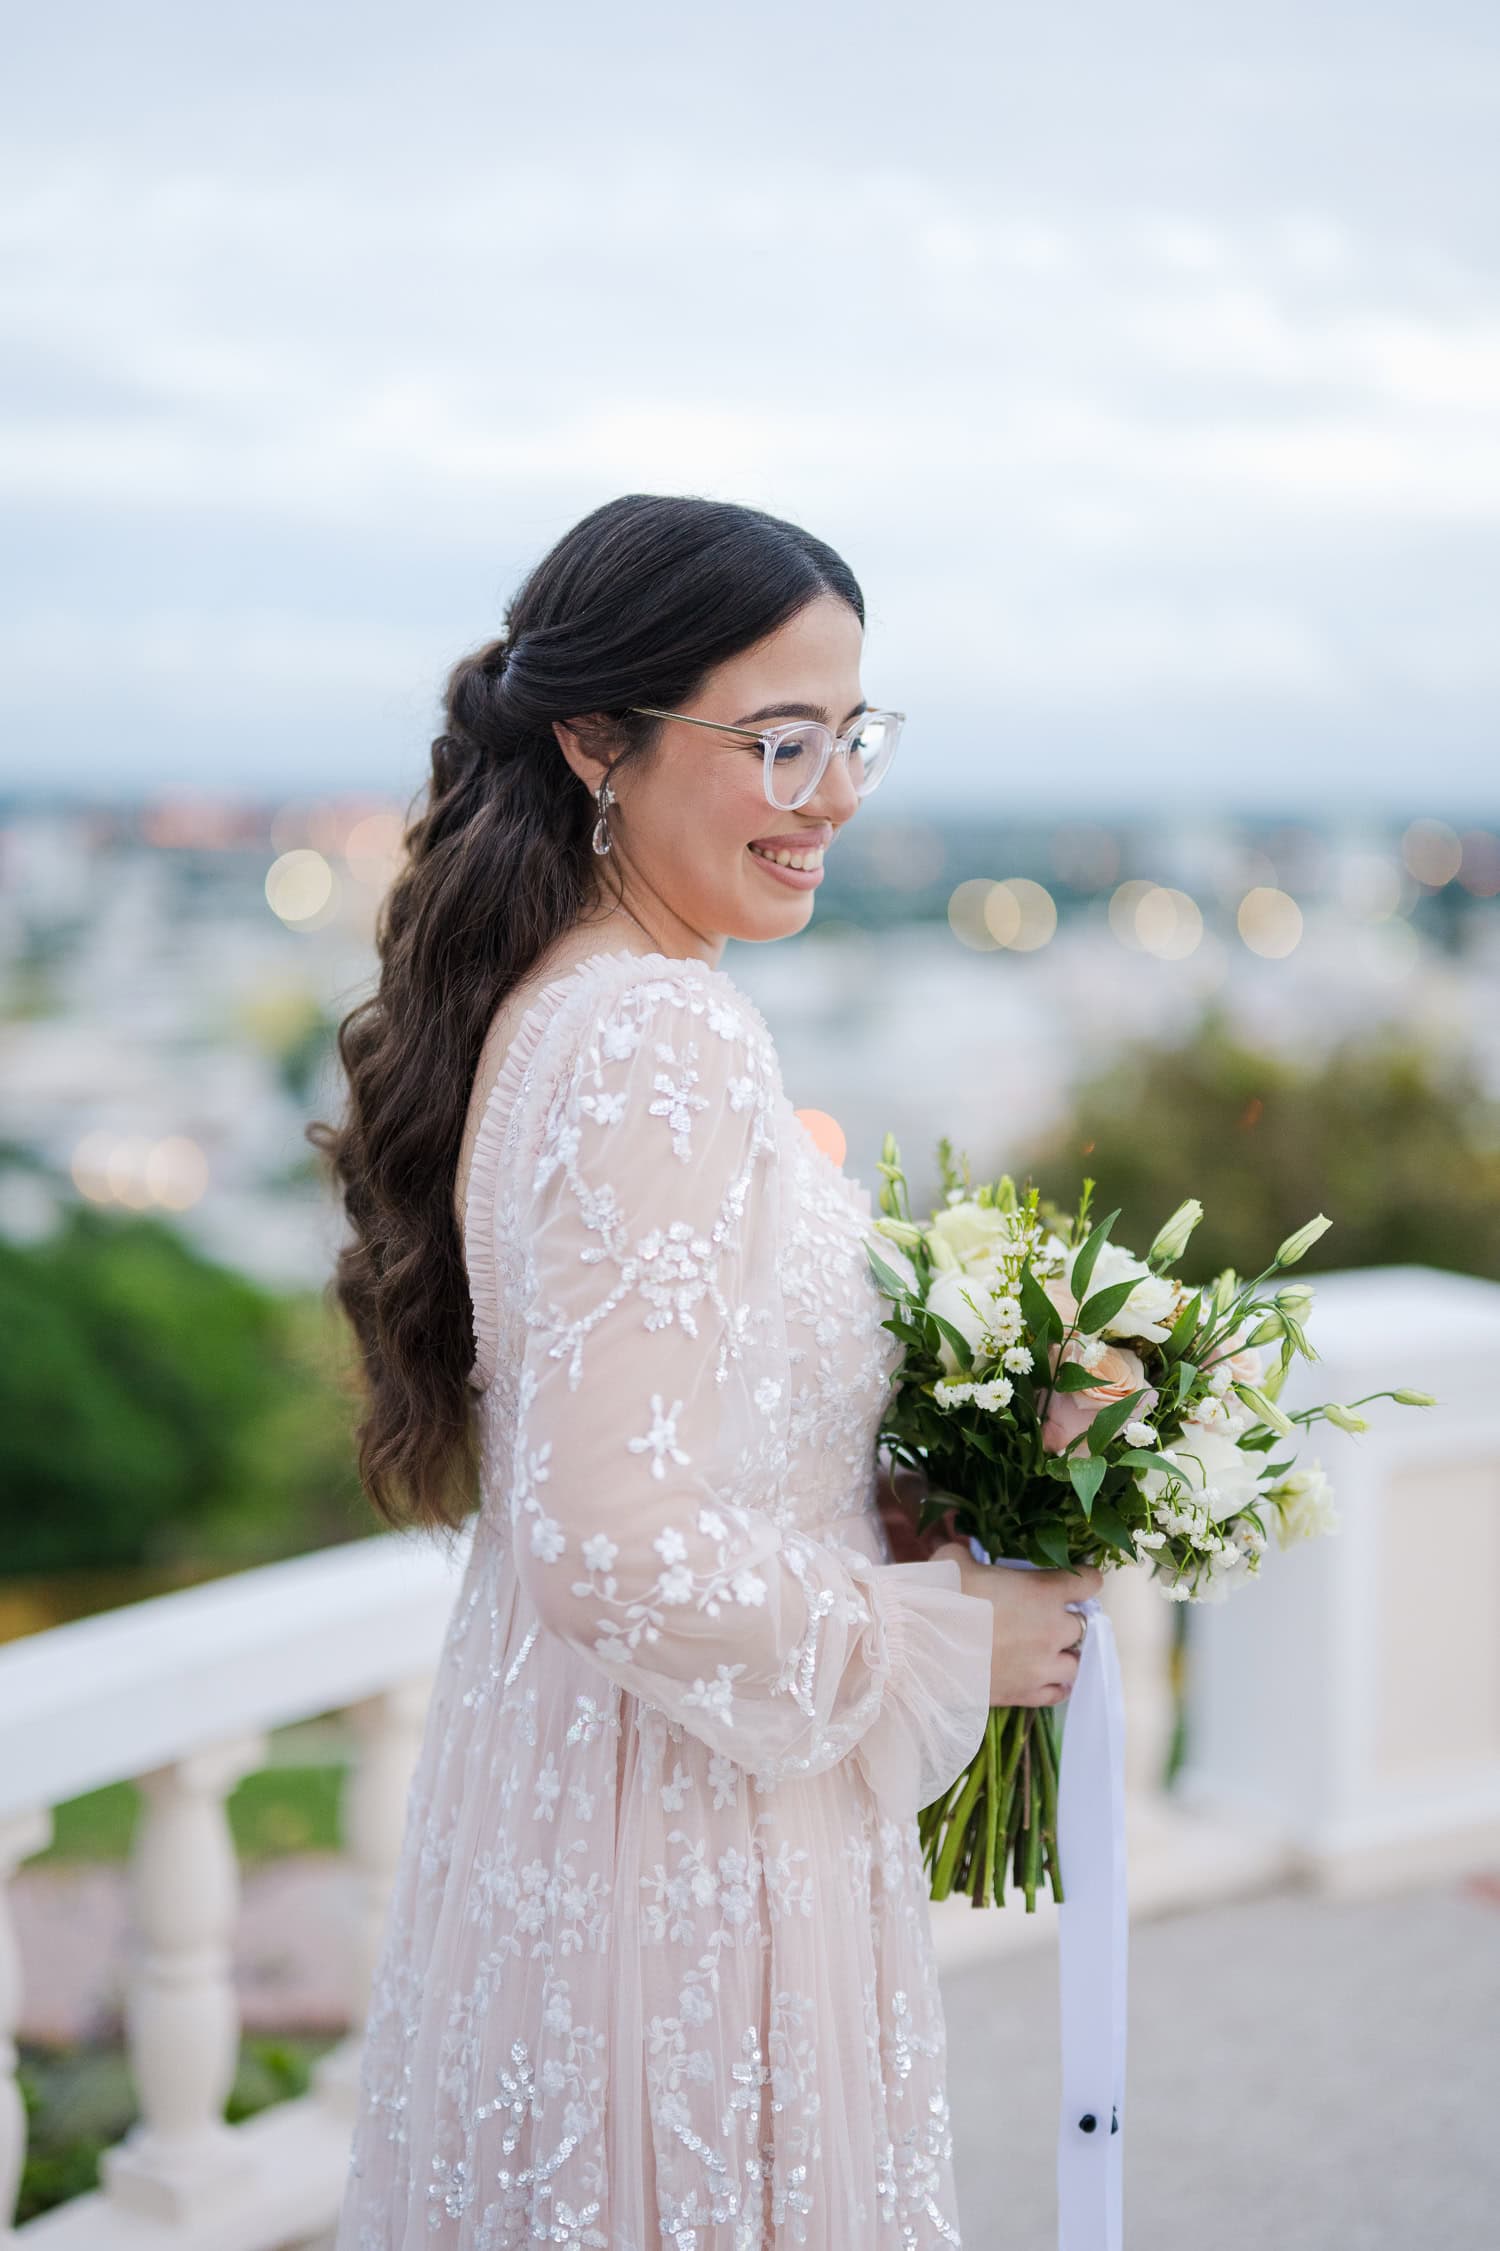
275 1810
79 2102
1396 1140
155 1406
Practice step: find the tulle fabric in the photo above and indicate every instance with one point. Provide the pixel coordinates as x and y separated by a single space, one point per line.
658 1966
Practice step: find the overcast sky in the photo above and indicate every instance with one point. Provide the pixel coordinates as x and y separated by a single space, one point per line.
1143 362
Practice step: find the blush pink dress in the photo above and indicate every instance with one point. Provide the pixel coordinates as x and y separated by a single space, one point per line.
658 1968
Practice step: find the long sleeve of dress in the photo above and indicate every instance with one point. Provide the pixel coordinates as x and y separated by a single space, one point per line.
651 1523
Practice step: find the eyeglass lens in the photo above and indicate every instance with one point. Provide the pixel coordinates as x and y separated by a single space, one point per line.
794 765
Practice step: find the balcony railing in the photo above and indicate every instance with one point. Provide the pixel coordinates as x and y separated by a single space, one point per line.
1312 1706
178 1694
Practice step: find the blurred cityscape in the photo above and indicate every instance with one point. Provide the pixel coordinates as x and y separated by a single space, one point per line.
172 973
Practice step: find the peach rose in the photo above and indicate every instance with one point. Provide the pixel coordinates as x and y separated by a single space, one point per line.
1069 1413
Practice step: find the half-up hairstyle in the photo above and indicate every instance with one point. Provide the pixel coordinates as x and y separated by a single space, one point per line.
638 603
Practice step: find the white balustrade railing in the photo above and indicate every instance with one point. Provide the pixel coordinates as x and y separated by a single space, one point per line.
178 1695
1314 1708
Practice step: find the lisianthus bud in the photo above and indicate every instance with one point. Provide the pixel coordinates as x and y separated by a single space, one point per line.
1171 1240
1414 1398
1296 1297
1260 1405
1344 1418
905 1232
1297 1245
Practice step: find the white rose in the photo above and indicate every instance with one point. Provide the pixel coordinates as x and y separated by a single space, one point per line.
949 1298
976 1235
1150 1309
1306 1504
1209 1463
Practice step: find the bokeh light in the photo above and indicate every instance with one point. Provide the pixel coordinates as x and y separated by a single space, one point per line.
826 1132
1432 852
1479 871
300 889
1020 914
1269 921
1168 923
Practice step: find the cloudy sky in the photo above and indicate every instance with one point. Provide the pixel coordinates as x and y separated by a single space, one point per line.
1144 363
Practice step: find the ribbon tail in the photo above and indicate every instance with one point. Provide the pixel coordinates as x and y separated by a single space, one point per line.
1092 1941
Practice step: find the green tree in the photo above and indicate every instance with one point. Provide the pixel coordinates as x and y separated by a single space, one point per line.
1396 1139
156 1407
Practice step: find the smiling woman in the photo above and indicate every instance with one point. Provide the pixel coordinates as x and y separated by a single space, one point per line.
658 1965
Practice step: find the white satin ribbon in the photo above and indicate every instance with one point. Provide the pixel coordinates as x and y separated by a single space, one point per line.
1092 1929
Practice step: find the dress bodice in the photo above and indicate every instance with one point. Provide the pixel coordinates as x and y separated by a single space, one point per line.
816 1465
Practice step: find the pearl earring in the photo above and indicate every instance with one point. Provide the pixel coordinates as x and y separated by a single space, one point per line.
606 797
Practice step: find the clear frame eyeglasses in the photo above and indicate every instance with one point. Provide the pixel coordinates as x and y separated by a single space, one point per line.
795 757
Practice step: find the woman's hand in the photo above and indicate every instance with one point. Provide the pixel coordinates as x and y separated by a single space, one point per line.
1033 1661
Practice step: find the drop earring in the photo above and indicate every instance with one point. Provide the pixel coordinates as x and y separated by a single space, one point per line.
606 798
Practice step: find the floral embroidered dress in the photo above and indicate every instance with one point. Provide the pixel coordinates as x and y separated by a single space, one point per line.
658 1968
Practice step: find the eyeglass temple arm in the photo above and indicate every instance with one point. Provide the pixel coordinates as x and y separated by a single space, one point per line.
649 711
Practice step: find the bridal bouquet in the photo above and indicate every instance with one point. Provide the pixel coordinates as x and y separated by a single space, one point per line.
1072 1404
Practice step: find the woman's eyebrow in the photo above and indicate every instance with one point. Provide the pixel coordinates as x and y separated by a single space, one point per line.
798 711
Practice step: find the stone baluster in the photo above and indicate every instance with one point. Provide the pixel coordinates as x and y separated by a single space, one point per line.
388 1731
181 2161
20 1836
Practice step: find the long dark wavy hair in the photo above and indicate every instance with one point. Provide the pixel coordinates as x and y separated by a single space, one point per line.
636 604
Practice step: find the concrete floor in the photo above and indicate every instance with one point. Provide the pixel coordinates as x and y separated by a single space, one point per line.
1302 2073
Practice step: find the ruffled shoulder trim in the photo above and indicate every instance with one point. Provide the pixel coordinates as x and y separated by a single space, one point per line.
578 994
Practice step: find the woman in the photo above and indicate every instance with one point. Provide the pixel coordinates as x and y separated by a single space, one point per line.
658 1967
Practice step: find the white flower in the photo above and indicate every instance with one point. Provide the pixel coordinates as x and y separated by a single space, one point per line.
1305 1508
1217 1474
1018 1359
971 1236
951 1394
968 1304
716 1696
890 1254
676 1585
547 1538
994 1394
599 1552
1149 1311
748 1586
1139 1434
670 1545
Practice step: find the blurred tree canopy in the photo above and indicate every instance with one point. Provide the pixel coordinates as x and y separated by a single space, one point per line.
157 1408
1398 1141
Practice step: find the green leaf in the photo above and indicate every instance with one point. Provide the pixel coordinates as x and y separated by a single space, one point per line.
1110 1419
1041 1314
889 1280
1053 1542
1103 1306
1187 1373
1073 1376
1184 1328
1140 1457
1087 1477
1088 1257
1110 1527
956 1337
